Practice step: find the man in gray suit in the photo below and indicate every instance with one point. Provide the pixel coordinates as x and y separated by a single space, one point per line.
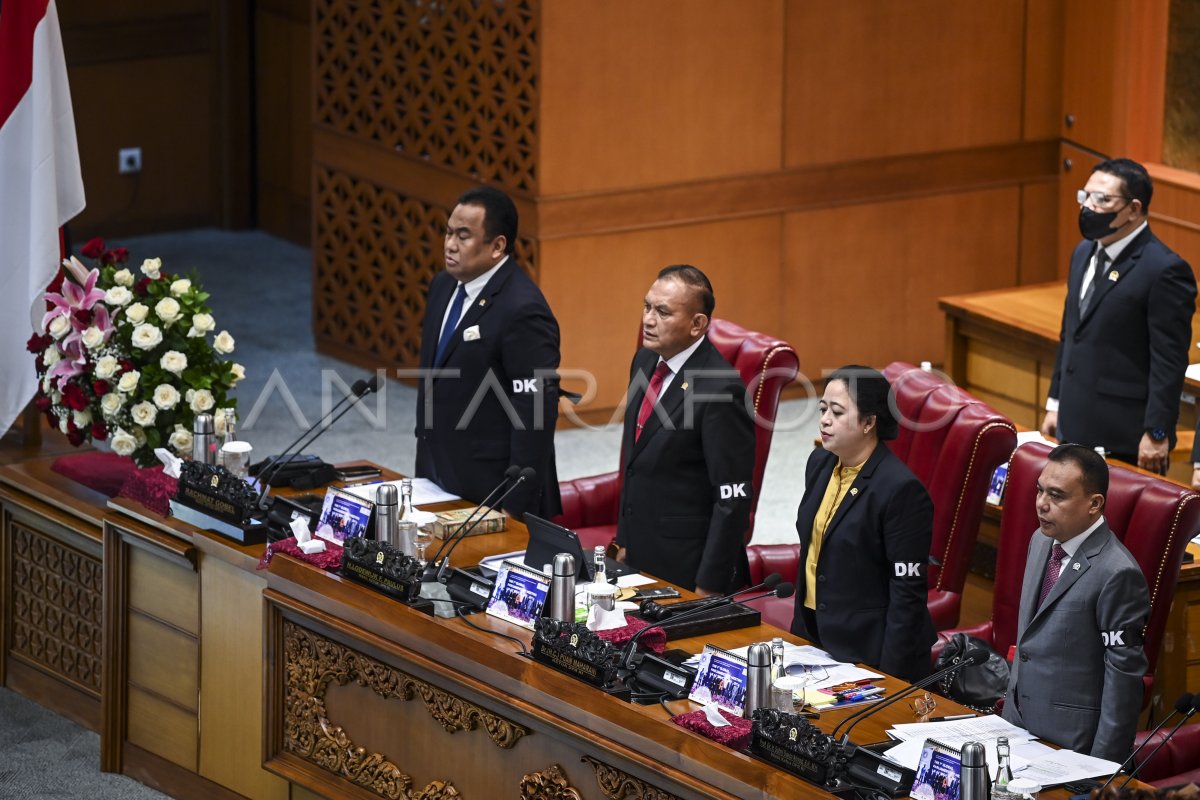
1076 677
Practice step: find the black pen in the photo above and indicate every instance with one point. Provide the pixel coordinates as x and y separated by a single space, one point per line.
951 718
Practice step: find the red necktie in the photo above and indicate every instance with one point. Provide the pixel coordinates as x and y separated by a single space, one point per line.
656 381
1053 568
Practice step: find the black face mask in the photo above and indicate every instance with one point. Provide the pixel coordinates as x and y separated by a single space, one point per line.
1095 225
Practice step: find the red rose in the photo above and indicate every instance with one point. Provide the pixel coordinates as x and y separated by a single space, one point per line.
93 248
126 365
100 388
74 398
119 255
140 287
75 437
42 402
99 430
37 343
82 318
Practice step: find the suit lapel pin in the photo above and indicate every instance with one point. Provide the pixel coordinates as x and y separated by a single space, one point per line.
483 300
853 491
1112 276
1075 566
683 385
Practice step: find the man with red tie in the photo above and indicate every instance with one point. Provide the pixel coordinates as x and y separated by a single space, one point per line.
687 454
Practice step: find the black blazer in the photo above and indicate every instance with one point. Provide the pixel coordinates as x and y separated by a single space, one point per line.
503 359
873 567
1119 369
687 481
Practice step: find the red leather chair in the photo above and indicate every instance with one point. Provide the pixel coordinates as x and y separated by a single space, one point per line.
1176 764
1163 516
952 443
765 363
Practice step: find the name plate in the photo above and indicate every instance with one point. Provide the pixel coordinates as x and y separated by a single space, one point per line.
213 490
791 742
382 567
572 649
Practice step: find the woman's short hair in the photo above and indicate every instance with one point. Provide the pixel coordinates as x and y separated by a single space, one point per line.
872 393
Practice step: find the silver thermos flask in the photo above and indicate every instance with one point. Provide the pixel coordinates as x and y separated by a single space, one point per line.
976 783
758 678
387 510
203 444
562 588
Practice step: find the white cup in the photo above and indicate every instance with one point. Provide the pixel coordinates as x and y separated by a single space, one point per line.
603 595
235 457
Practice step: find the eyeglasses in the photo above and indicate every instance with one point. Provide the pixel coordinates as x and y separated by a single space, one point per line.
923 706
1099 199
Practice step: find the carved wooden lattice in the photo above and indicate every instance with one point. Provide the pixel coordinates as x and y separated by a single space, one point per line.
56 607
375 252
453 82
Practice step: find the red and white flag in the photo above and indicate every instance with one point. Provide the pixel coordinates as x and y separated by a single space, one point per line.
40 183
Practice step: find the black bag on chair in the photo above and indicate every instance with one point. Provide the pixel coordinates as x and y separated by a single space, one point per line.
978 687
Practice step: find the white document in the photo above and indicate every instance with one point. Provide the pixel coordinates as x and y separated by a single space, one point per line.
493 562
635 579
908 754
957 732
425 491
1048 766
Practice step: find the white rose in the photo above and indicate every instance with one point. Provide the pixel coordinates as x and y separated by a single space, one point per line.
181 440
180 287
166 396
110 404
173 361
123 443
59 326
93 337
201 401
136 313
129 381
146 337
51 357
106 367
62 424
82 418
239 372
150 268
167 309
143 413
123 277
201 324
118 296
46 385
223 343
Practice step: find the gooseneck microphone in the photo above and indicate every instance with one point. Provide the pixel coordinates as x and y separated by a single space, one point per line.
510 473
629 660
1182 706
1195 706
360 389
526 474
972 658
654 611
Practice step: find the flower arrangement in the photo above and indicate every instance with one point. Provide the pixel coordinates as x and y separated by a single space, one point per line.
128 357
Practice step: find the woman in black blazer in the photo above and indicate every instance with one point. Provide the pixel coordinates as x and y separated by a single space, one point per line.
865 525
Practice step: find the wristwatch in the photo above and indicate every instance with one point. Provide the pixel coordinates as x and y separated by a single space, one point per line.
1157 434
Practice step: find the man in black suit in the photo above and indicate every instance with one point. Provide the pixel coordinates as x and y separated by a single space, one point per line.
687 455
488 395
1126 327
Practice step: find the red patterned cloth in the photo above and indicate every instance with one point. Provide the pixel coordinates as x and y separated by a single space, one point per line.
655 641
152 488
102 472
330 559
736 736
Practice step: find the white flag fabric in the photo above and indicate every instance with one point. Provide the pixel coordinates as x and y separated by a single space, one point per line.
41 187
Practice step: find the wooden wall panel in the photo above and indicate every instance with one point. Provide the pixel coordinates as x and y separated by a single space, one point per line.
283 116
1175 213
637 93
879 78
862 283
1044 23
596 284
1038 231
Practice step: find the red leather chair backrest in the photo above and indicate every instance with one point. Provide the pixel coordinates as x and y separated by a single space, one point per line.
953 443
1152 516
766 365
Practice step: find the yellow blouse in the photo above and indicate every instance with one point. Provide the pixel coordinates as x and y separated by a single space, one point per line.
835 492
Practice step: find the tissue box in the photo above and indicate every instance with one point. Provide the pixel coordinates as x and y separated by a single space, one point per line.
448 522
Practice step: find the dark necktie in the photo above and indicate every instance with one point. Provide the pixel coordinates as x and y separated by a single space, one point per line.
1053 568
456 308
1099 261
656 381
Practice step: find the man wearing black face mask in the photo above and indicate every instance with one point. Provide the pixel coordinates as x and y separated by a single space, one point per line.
1126 326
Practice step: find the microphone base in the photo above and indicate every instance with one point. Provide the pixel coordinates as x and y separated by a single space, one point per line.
722 618
866 768
659 675
468 588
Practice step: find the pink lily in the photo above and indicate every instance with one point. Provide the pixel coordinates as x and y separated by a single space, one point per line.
73 298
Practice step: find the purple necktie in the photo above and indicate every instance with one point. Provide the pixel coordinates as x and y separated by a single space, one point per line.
1053 568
